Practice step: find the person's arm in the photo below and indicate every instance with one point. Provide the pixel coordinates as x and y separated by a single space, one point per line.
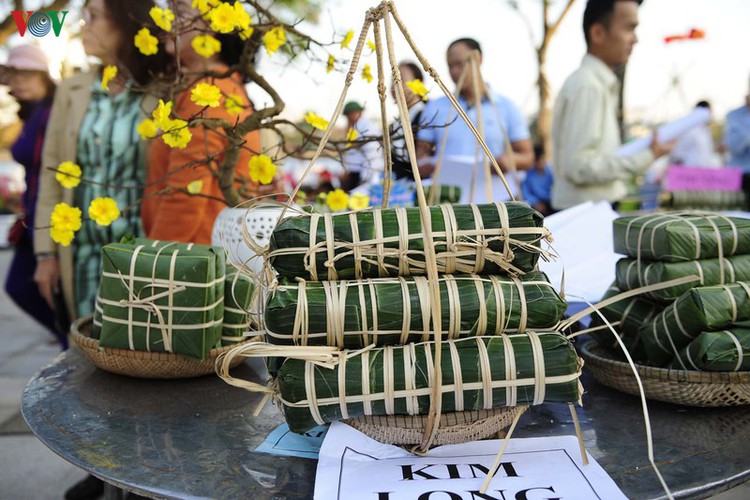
736 137
518 136
47 273
523 154
580 156
426 137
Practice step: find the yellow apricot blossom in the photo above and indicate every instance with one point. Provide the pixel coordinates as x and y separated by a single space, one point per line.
316 121
234 104
176 134
68 174
359 201
205 94
330 64
108 74
417 87
273 39
104 211
162 17
262 169
147 129
205 45
195 187
223 18
161 114
337 200
146 43
367 73
347 39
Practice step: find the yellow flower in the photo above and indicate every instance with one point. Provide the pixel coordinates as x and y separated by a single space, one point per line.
205 6
68 174
223 18
104 211
359 201
417 87
176 134
351 134
262 169
162 17
205 45
147 129
64 221
316 121
242 20
372 45
205 94
330 64
61 236
347 39
273 39
161 114
337 200
367 73
108 74
147 43
195 187
234 104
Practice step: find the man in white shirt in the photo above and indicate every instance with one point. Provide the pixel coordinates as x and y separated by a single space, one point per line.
585 132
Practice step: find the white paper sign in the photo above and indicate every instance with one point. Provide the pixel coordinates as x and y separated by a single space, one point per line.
354 466
667 132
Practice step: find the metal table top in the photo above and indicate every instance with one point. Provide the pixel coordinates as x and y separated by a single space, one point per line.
195 438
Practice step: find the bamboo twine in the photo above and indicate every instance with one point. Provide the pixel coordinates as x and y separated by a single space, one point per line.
387 166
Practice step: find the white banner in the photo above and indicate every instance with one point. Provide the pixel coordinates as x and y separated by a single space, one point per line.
352 465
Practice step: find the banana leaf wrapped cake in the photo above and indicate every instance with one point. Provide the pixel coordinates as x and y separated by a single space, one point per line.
481 239
162 296
681 236
238 296
477 373
634 273
720 351
391 311
698 310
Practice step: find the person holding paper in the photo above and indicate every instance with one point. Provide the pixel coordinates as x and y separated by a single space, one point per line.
499 116
585 131
695 148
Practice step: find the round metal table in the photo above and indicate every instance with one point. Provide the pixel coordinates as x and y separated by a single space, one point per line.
195 438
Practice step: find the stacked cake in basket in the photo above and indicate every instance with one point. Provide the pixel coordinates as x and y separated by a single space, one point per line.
357 282
700 325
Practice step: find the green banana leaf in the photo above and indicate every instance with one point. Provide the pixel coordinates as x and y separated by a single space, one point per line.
698 310
238 297
394 311
390 242
477 373
632 274
681 236
722 351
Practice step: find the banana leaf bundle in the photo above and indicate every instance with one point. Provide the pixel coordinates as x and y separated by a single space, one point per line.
445 194
477 373
238 296
698 310
708 200
681 236
162 296
632 273
722 351
480 239
630 314
394 311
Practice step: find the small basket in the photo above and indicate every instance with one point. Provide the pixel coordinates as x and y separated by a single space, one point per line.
455 428
683 387
143 364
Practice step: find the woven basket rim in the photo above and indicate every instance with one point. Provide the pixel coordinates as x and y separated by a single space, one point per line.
86 341
592 352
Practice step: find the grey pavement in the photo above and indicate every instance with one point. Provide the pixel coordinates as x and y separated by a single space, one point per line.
28 469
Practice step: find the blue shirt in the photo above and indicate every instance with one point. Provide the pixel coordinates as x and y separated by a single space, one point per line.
438 118
537 186
737 137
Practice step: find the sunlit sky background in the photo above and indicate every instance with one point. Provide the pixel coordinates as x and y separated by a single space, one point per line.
664 80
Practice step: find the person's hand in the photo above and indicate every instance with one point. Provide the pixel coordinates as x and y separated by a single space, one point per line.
503 162
47 278
660 149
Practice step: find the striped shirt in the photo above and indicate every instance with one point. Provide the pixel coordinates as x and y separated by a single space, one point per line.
113 165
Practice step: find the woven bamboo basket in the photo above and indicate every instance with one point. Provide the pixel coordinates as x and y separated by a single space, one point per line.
142 364
683 387
455 428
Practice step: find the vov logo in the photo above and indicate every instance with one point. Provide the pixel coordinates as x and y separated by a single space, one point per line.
39 23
